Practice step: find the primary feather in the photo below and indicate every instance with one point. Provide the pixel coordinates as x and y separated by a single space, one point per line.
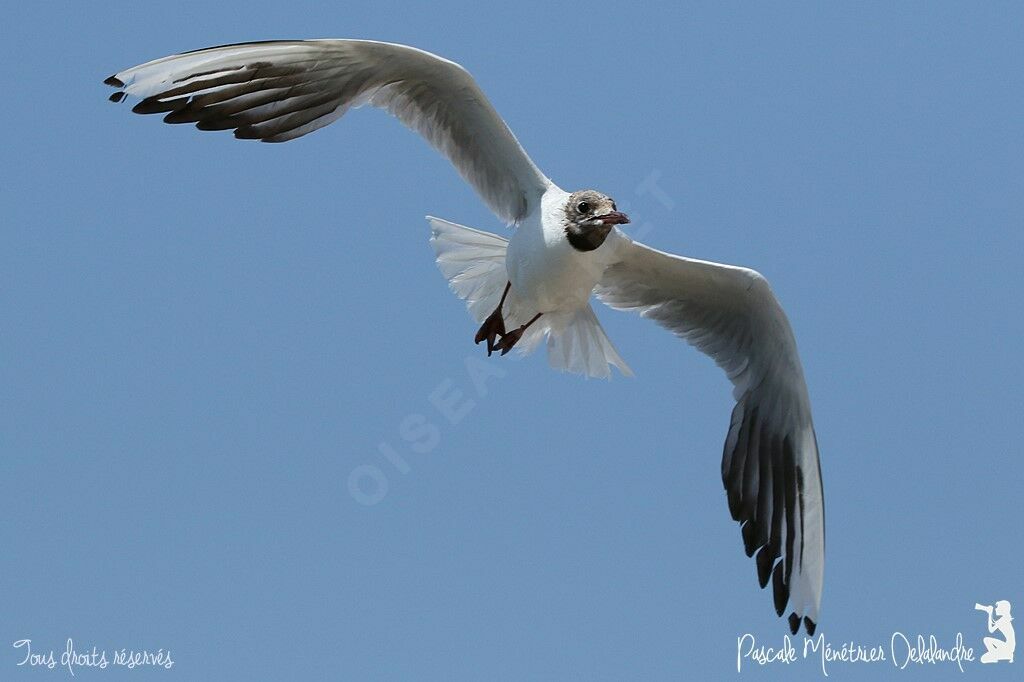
770 461
280 90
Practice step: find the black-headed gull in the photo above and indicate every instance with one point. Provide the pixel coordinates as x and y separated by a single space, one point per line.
566 247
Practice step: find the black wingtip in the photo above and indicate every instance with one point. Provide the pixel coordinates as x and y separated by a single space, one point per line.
794 623
765 561
735 507
118 97
183 115
750 545
155 105
779 590
247 132
810 626
114 82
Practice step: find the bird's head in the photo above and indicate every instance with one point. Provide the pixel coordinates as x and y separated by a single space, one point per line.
589 217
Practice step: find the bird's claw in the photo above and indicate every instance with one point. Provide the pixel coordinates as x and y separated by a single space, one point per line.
490 330
508 340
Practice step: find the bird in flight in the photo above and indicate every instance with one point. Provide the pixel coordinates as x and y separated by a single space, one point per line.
537 285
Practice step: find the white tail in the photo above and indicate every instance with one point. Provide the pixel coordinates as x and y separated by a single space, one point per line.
473 262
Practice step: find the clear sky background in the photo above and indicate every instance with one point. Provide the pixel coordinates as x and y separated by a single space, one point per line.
202 338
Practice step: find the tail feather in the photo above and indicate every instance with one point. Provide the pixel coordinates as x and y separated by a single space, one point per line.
579 344
473 262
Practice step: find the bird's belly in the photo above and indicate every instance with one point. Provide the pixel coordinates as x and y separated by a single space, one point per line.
550 275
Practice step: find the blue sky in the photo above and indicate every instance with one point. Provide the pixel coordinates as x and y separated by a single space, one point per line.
202 338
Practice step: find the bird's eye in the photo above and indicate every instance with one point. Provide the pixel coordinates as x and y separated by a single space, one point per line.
583 207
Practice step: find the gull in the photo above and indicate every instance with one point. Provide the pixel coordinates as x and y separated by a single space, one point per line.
566 247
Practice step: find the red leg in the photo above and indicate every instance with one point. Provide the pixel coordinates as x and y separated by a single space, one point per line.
493 326
510 339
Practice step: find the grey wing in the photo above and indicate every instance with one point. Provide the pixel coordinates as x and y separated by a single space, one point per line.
770 464
277 91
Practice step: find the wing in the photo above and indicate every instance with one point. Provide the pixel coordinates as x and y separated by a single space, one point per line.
279 90
770 462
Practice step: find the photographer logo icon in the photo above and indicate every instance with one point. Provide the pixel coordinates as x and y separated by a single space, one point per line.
998 649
